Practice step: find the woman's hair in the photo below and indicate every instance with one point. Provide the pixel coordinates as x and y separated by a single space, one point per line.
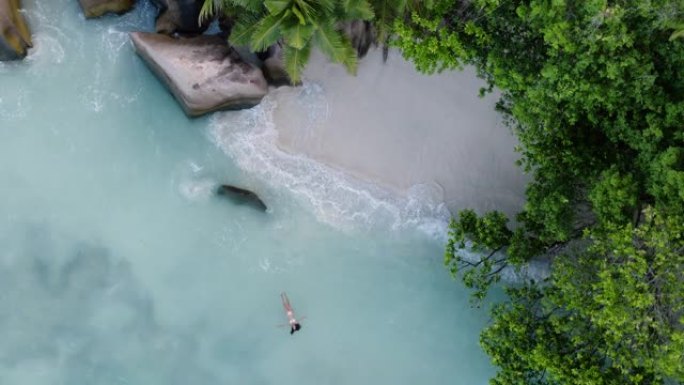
295 327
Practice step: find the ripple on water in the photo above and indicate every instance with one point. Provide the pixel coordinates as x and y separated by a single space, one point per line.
65 303
47 49
15 105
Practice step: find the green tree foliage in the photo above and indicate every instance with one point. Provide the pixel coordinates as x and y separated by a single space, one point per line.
613 315
476 246
591 86
304 24
299 24
594 90
388 11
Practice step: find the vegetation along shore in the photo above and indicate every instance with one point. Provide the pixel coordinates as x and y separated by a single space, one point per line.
593 91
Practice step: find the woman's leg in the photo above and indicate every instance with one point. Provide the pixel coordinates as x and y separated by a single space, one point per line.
286 301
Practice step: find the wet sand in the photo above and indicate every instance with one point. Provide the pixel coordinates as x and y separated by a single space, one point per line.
395 127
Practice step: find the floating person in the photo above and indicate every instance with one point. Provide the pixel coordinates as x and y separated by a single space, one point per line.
292 321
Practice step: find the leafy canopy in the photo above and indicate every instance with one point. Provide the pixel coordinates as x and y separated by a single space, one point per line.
612 315
301 25
594 91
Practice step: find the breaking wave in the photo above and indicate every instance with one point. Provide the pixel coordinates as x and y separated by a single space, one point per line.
249 137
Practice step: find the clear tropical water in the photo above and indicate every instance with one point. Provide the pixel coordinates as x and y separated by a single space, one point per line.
118 266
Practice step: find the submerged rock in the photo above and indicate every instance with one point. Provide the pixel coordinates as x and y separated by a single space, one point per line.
97 8
203 72
179 16
15 37
241 196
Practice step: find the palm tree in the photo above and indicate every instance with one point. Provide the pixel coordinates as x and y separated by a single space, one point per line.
298 24
388 12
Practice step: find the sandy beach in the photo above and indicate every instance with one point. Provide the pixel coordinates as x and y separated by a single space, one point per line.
393 126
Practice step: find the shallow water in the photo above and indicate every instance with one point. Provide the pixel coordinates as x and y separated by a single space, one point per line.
119 266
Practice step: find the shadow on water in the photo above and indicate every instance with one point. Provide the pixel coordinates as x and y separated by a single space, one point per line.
72 311
118 265
70 307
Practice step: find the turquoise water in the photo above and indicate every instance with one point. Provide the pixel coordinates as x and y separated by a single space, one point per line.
118 266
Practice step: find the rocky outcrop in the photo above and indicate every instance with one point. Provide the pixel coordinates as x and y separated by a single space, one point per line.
361 34
97 8
15 37
203 72
226 24
241 196
179 17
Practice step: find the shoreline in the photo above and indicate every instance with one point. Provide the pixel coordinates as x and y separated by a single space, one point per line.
377 127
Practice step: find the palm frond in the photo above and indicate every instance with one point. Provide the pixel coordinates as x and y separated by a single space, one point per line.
311 10
254 6
358 10
335 46
242 32
350 59
276 6
326 6
303 20
210 8
298 35
386 11
266 32
678 30
295 60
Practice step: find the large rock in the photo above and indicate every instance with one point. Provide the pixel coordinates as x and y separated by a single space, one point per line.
179 16
97 8
203 72
15 37
362 35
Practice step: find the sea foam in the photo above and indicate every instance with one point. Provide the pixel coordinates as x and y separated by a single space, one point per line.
250 138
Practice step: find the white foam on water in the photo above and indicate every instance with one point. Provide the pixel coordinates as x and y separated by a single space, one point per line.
197 190
195 167
96 97
114 41
192 183
249 137
15 106
47 48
